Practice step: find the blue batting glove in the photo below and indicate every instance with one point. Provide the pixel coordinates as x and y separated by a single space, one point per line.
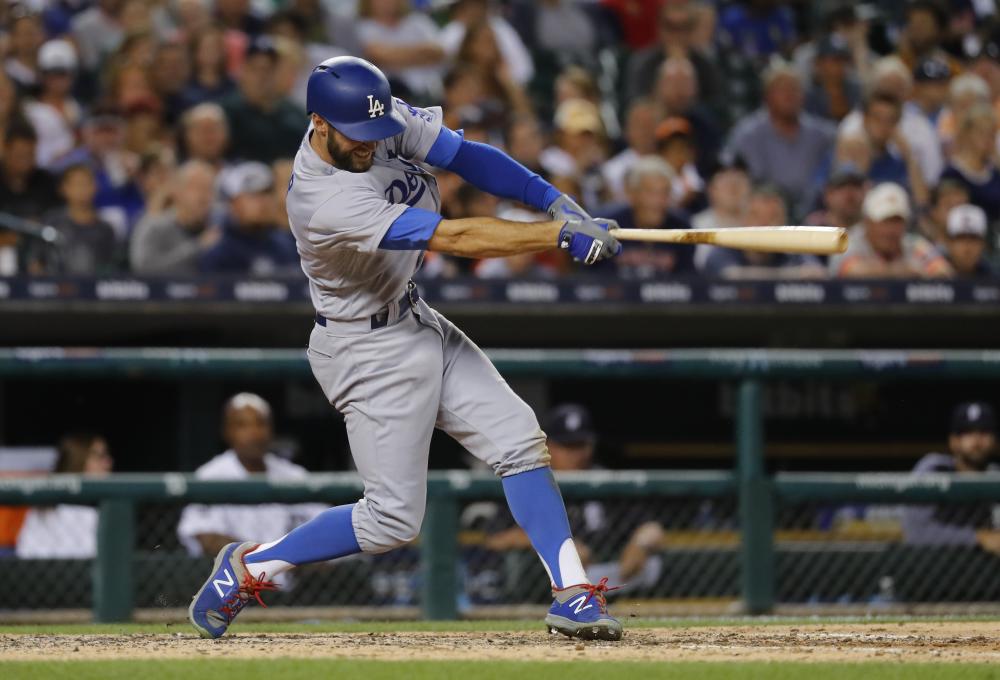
565 208
590 240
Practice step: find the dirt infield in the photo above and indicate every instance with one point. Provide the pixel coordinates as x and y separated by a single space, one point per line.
889 642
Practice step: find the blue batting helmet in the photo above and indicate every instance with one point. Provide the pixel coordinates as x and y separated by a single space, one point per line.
353 96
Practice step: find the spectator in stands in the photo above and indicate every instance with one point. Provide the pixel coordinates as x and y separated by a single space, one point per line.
766 208
971 445
833 90
640 137
580 150
87 245
263 126
966 244
926 27
649 187
930 88
67 531
405 44
933 223
881 247
480 50
563 28
205 134
209 80
890 75
676 24
248 432
677 96
25 189
119 199
238 15
24 39
172 242
892 159
964 92
841 25
251 242
780 143
973 162
468 13
300 52
525 142
728 197
986 65
55 114
675 144
738 81
759 28
170 78
98 32
576 82
842 199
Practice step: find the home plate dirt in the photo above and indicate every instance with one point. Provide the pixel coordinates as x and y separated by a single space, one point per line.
890 642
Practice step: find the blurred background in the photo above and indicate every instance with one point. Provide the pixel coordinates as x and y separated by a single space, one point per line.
145 147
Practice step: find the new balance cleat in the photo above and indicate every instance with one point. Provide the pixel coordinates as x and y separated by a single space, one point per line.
226 591
581 611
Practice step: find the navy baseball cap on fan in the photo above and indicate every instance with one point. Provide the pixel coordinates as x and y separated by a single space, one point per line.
569 424
974 416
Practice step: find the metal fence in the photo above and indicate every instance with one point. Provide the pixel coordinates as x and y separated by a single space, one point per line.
756 539
832 540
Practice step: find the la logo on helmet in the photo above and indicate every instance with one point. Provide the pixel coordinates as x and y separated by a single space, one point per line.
375 107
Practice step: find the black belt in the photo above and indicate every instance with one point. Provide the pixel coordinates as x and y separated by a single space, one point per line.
380 319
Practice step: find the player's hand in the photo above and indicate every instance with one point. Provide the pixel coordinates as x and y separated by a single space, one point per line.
565 208
590 240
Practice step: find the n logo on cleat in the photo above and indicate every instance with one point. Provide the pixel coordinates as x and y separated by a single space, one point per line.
579 602
219 582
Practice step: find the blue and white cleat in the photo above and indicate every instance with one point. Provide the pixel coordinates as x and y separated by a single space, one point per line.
226 591
581 611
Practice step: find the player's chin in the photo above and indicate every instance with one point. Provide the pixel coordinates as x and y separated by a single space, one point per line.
361 164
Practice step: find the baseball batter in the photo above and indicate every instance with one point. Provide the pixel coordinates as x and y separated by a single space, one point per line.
363 209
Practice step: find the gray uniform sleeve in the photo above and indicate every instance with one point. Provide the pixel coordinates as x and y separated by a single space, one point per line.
422 129
355 218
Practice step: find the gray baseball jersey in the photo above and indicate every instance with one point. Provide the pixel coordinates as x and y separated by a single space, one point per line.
395 384
339 218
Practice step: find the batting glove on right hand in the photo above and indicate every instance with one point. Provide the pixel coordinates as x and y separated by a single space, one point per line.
590 240
565 208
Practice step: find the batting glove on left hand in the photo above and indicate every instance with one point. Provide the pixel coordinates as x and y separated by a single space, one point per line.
590 240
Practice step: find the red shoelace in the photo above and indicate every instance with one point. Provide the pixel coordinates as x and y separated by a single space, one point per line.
594 590
251 587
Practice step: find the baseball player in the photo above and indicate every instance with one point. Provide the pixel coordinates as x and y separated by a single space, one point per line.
363 208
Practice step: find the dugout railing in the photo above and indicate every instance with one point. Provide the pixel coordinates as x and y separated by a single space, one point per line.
760 497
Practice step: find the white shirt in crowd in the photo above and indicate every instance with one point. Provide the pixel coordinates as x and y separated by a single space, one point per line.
260 522
60 532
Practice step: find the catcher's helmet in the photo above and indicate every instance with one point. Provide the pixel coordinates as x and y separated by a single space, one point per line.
353 96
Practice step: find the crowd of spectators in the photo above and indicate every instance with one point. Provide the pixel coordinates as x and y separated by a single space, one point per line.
156 136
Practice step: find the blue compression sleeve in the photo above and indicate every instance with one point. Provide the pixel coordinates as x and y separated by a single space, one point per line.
537 506
411 230
490 169
326 536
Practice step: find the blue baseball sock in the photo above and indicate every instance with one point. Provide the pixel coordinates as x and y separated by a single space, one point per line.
537 506
326 536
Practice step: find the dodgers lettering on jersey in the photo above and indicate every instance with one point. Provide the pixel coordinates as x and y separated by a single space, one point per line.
339 218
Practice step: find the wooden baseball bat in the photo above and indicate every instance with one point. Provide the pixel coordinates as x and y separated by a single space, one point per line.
812 240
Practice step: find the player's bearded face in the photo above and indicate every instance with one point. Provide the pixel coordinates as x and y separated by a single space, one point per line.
348 154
